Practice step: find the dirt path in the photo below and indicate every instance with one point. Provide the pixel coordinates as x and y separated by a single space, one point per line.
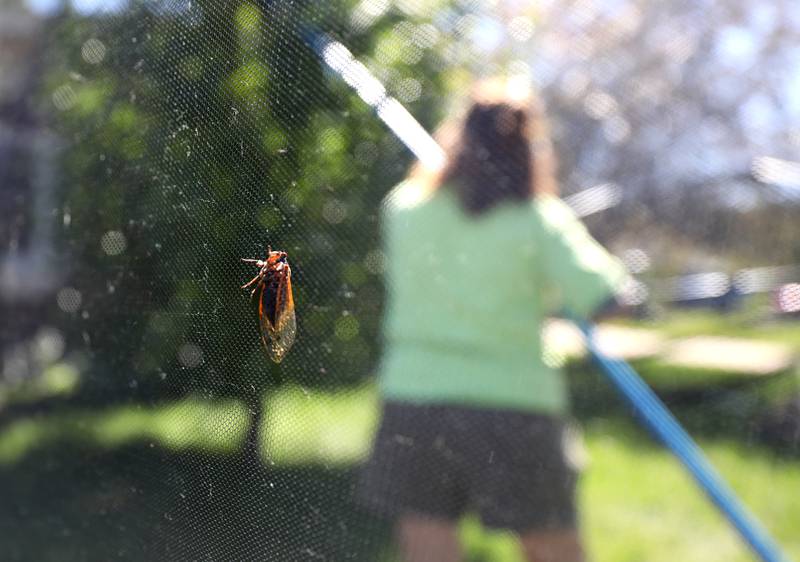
740 355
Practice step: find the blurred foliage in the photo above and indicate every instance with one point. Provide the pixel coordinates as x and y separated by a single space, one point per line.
59 379
758 324
207 132
632 489
310 428
192 423
197 133
678 103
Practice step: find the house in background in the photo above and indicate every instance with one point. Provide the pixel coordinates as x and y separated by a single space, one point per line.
29 276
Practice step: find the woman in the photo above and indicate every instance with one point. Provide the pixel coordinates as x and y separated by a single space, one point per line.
474 418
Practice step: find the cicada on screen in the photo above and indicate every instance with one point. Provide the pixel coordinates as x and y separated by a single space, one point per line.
272 296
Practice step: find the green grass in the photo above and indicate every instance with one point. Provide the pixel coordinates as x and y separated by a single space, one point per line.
303 427
747 323
192 423
638 504
59 379
665 376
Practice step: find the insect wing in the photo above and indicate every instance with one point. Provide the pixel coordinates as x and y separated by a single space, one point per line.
278 342
276 313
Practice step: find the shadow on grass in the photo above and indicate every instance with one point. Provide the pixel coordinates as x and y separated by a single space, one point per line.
172 481
707 403
141 502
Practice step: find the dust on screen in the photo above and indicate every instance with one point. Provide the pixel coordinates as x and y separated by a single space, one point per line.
146 147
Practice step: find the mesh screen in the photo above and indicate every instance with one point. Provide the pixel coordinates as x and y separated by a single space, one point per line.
147 146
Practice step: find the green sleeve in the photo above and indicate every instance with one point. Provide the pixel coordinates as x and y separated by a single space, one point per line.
583 274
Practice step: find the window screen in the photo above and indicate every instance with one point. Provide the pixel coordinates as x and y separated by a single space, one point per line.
147 146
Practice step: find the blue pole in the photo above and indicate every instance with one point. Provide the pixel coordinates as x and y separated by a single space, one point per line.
644 401
666 428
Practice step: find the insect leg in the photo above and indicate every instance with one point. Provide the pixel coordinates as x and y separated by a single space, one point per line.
253 280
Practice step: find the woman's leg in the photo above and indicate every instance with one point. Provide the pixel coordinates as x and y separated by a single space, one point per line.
426 539
552 546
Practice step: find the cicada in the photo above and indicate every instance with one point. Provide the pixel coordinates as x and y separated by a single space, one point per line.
272 295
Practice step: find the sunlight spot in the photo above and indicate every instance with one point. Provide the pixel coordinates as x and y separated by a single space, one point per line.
595 199
368 11
574 83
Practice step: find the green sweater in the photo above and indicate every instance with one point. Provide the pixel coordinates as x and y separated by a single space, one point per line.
467 297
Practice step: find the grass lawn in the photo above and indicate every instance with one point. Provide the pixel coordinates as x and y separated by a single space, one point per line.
668 374
750 322
192 423
638 503
641 505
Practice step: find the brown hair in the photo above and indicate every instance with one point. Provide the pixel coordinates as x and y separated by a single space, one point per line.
497 151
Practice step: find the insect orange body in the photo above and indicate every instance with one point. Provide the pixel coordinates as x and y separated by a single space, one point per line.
273 297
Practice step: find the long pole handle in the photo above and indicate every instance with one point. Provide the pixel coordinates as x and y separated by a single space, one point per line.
658 419
644 401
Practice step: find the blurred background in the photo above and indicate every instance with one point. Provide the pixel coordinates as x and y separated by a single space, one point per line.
146 146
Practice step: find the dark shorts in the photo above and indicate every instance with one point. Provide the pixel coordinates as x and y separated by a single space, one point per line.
439 460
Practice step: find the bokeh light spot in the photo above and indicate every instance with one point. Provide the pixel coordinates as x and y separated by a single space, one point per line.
113 242
64 97
409 90
636 260
49 345
69 299
789 298
334 211
346 328
521 28
599 105
365 153
93 51
375 262
425 36
190 355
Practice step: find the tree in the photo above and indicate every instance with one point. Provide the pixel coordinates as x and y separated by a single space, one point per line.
674 102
